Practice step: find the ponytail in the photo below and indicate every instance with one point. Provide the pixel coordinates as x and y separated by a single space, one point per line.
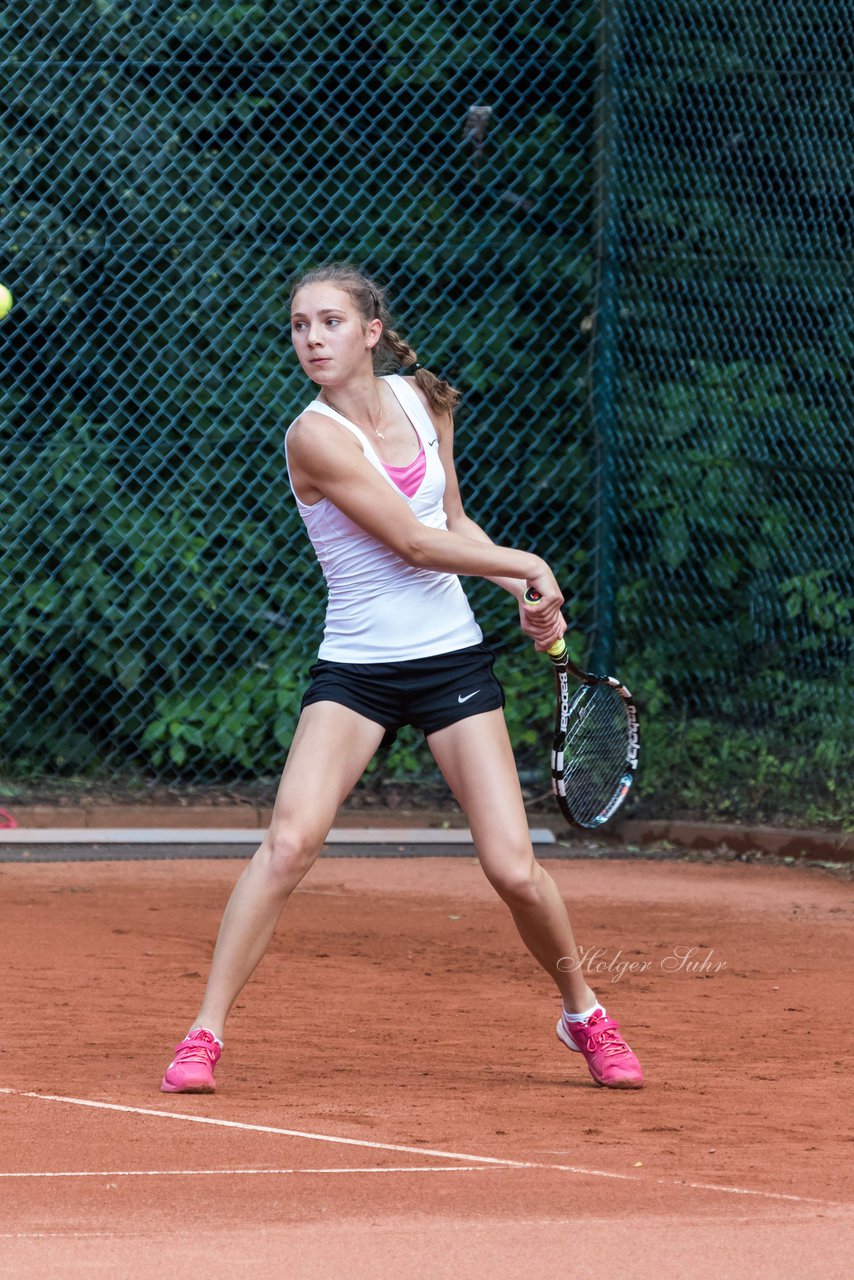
394 354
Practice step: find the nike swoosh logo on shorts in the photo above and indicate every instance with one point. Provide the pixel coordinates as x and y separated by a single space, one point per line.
460 697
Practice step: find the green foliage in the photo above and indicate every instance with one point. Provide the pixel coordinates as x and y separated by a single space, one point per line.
734 546
137 624
694 763
737 641
168 166
244 721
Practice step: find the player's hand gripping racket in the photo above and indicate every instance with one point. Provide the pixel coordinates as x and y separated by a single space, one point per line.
595 750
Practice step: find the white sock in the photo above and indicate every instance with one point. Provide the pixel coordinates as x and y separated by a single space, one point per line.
582 1017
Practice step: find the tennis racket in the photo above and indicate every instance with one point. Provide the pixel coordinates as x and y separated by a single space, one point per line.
595 749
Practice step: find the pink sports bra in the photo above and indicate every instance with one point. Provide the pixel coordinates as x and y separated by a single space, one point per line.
409 478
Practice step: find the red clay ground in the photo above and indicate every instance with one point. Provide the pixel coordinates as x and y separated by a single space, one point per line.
398 1008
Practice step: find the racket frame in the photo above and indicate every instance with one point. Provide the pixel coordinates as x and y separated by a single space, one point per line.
563 668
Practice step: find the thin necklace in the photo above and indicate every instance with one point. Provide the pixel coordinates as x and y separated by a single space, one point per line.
376 430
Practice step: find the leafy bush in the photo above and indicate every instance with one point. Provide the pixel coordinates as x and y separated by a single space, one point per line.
169 167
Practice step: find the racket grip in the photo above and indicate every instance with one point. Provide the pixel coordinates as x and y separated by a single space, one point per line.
558 649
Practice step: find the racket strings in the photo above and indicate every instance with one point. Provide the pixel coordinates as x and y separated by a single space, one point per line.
594 752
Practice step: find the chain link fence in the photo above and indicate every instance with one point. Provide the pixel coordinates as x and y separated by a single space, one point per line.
731 203
623 231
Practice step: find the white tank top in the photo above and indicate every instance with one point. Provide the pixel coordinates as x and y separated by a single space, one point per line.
380 608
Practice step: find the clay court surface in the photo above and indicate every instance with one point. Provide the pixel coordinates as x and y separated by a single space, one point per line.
393 1101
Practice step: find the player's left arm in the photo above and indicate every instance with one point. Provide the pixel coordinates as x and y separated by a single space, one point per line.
455 511
462 524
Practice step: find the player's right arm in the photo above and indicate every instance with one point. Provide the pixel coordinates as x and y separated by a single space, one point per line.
326 461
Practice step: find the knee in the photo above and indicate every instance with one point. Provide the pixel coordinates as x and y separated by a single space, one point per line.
519 884
286 854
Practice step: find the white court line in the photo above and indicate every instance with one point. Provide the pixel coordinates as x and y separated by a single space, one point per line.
704 1186
240 1173
422 1151
61 1235
265 1128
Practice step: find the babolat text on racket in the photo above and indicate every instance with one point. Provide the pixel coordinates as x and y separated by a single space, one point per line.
596 743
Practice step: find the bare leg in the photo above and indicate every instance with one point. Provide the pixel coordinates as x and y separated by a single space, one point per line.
331 747
477 762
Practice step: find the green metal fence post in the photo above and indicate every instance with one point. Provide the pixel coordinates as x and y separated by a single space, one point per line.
604 332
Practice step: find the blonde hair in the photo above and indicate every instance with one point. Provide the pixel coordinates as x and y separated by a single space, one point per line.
392 354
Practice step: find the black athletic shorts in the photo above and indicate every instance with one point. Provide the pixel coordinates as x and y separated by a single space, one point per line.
429 693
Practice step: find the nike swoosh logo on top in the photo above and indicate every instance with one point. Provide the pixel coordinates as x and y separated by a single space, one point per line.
460 697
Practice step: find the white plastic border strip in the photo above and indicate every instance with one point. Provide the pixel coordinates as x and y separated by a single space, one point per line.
205 835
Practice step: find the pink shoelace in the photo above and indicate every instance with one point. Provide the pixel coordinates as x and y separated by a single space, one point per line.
605 1037
200 1048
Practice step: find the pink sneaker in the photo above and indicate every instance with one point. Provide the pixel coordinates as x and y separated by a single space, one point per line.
191 1070
609 1058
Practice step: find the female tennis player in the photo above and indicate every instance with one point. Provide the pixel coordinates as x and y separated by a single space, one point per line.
371 465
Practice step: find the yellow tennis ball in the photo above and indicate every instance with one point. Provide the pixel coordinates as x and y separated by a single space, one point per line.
5 301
